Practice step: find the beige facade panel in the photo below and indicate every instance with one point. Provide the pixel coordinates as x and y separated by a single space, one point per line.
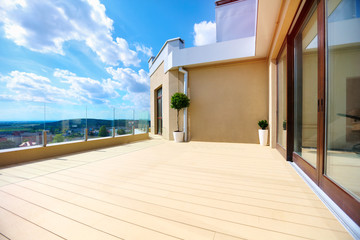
227 101
170 82
272 79
286 16
157 80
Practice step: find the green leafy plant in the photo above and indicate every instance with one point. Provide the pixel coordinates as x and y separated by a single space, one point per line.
58 138
284 124
103 131
121 132
263 124
178 102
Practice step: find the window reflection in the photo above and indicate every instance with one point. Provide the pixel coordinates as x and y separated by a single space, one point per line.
281 118
305 91
343 94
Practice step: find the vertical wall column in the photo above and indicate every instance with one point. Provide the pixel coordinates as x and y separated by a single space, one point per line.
272 102
182 70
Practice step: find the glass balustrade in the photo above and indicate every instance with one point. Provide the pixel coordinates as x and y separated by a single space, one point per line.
100 121
16 130
64 123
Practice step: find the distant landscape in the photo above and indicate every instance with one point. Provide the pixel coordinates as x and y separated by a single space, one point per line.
15 134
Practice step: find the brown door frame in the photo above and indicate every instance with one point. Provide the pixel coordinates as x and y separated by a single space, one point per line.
291 155
344 200
157 112
280 148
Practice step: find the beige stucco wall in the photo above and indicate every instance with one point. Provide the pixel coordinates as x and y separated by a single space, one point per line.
272 102
227 101
171 82
285 18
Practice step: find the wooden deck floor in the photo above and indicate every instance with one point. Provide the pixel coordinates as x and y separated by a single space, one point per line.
154 190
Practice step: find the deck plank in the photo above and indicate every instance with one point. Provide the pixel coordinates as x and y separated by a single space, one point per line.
162 190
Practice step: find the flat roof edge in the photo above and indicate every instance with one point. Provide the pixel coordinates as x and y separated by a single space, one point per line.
162 48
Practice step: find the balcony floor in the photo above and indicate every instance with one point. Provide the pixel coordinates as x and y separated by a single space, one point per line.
156 189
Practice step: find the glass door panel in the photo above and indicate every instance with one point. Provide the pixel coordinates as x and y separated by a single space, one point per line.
342 163
282 99
306 89
159 112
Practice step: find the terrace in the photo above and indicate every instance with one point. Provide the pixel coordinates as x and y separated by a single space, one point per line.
156 189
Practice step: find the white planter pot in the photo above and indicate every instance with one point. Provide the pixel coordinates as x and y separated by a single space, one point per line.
263 137
178 136
284 138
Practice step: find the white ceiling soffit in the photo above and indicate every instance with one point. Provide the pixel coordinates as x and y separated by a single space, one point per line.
268 12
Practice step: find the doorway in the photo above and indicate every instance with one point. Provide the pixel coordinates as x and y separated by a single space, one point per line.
159 111
323 103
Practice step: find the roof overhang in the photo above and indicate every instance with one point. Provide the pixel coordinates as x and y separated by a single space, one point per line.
173 53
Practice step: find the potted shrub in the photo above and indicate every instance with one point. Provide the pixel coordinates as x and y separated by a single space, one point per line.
263 132
284 133
178 102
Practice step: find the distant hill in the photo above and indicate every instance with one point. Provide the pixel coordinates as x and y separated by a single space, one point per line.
62 124
91 123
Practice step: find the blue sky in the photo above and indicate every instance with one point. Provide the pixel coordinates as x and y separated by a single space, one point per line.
70 54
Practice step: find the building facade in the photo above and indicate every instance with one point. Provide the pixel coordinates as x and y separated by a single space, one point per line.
295 64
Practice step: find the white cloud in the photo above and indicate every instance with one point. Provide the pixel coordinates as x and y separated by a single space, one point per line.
137 84
205 33
141 48
86 88
44 26
130 80
22 86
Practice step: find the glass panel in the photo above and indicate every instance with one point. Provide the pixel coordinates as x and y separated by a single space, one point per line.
122 119
305 91
21 129
100 120
142 121
281 118
159 112
65 123
343 95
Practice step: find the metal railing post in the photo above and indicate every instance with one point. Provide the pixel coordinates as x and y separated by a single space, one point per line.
85 134
44 138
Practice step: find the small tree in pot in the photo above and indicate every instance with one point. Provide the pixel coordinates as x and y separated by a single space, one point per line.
284 133
263 132
178 102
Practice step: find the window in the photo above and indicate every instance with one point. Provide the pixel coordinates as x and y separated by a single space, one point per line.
281 98
324 100
306 87
343 98
159 111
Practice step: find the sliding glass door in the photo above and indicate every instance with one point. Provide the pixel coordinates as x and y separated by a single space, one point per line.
306 92
159 111
324 98
342 164
281 99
